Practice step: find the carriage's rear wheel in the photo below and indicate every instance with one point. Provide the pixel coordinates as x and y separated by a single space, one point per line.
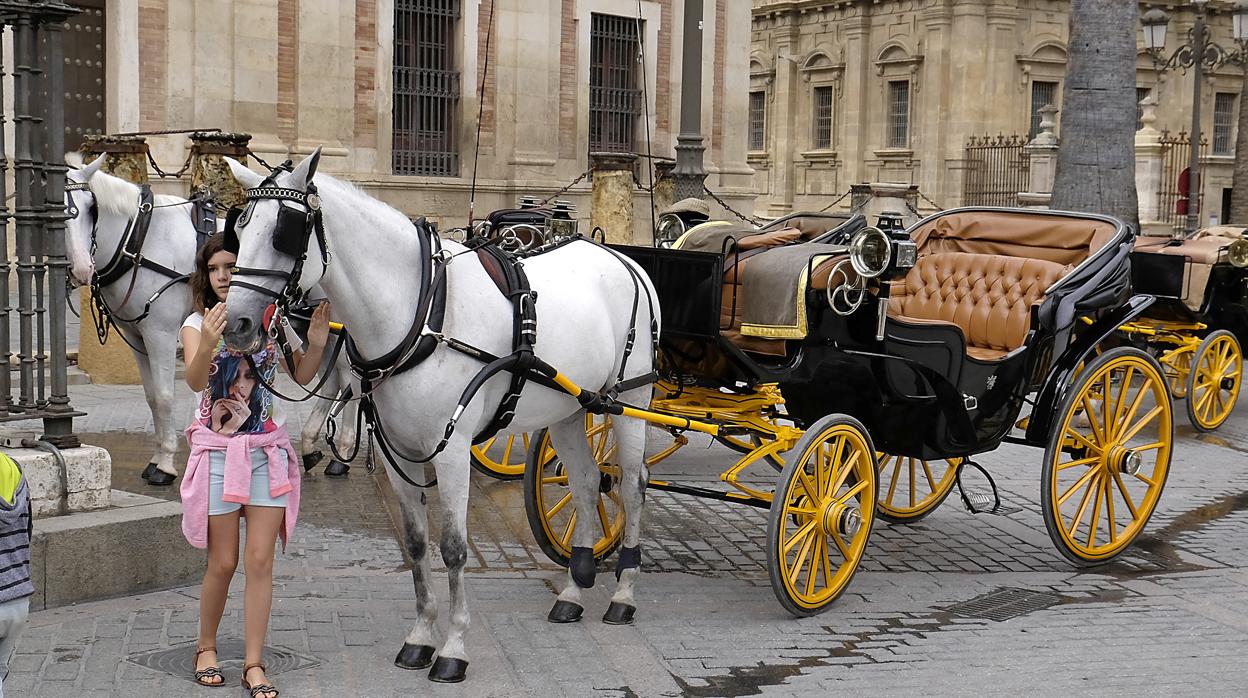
821 515
1214 380
1109 457
1177 367
502 458
548 498
911 488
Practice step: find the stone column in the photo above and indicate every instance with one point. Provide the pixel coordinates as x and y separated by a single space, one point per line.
1148 170
611 200
889 197
1041 161
664 185
112 362
208 168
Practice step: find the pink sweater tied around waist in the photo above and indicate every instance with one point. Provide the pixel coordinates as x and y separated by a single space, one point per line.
283 477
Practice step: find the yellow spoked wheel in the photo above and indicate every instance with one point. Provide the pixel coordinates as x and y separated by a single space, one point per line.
1213 383
911 488
821 515
548 498
1104 473
502 458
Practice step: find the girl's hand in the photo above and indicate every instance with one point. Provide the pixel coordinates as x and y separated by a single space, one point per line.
213 327
235 414
318 330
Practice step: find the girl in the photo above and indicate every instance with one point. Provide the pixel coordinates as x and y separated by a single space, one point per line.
241 464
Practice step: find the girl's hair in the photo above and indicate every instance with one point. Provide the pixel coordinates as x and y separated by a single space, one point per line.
229 367
203 296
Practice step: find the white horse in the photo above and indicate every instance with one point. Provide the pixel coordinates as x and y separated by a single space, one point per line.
101 214
373 275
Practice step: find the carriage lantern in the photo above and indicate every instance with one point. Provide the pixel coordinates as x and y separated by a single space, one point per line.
1237 252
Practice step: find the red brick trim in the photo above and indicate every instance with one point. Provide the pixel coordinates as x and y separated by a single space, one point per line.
567 79
717 88
663 67
154 62
365 73
287 68
484 16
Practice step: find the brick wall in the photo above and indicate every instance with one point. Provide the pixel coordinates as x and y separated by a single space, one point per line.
717 125
365 73
287 68
663 64
484 17
153 47
567 79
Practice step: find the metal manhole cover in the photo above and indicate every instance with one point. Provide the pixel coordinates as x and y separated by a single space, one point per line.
1004 603
180 661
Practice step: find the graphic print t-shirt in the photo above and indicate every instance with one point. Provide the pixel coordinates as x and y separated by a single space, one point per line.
235 401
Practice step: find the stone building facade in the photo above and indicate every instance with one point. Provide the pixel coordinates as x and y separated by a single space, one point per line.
852 91
392 89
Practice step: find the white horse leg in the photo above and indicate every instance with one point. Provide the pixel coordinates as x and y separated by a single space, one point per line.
162 372
570 443
452 469
630 435
418 649
309 452
149 394
346 419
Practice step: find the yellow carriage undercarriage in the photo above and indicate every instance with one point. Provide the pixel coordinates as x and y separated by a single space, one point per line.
1206 371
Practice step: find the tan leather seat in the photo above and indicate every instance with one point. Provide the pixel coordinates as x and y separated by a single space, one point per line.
989 297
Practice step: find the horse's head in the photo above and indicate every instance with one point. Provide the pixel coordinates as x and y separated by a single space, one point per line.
82 212
270 237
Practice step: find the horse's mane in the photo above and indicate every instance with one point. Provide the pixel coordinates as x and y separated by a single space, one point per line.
117 196
350 189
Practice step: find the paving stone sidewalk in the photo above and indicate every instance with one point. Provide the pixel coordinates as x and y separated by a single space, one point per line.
1171 616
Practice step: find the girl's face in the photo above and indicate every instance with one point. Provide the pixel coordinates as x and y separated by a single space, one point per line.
243 384
219 272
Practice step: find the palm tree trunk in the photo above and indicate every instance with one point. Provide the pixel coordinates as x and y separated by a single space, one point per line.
1096 161
1239 180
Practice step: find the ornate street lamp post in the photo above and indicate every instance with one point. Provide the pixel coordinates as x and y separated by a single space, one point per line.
1199 53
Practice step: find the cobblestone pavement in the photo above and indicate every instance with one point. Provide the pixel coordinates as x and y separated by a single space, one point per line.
1170 616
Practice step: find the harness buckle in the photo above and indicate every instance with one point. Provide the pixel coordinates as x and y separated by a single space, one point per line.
145 207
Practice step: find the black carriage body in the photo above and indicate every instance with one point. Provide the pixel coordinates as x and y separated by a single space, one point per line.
917 390
1169 278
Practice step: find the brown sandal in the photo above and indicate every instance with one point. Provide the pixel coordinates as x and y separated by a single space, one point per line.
202 675
260 687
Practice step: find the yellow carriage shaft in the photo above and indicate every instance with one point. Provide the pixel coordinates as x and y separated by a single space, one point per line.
1178 333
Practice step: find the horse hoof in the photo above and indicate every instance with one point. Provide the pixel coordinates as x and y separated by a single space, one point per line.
565 612
160 478
414 656
147 472
336 468
619 614
311 459
448 670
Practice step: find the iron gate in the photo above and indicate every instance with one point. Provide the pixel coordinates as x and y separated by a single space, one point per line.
996 170
426 88
1176 150
614 95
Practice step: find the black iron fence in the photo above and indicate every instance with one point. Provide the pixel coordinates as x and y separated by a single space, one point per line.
37 355
1176 153
996 170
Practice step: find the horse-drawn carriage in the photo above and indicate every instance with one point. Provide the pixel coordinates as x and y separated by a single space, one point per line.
867 368
1199 324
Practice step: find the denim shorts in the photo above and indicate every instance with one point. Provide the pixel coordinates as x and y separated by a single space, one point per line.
259 483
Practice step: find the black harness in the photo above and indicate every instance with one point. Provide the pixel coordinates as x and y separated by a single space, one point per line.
128 258
292 235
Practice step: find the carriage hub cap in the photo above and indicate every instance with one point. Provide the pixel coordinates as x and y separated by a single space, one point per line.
841 519
1130 462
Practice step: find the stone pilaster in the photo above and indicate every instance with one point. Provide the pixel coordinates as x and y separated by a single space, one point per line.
612 196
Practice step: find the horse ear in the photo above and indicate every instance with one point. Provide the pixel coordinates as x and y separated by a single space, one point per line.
306 169
245 176
88 171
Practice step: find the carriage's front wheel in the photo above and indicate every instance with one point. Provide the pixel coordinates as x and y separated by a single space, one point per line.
548 497
821 515
1214 380
911 488
501 458
1108 458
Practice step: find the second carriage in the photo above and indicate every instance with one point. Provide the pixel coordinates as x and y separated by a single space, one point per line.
860 370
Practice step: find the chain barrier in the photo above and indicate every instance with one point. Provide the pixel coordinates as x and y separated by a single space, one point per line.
838 200
935 205
167 132
637 181
186 166
748 219
580 178
260 160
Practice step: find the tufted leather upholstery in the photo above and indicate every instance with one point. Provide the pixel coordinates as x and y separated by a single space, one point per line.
988 296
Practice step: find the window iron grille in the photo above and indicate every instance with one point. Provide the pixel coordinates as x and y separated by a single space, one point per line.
899 114
1042 95
758 120
823 117
614 93
426 88
1223 123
